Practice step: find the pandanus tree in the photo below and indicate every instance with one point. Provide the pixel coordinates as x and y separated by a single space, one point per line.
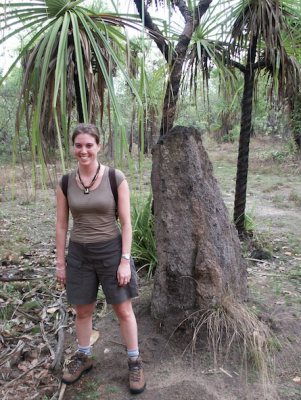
263 39
68 63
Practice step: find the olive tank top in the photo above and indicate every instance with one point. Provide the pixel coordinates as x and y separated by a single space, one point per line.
94 213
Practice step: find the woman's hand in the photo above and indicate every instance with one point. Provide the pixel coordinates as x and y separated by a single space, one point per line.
124 272
61 273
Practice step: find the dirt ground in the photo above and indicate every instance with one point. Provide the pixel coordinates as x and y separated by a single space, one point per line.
172 370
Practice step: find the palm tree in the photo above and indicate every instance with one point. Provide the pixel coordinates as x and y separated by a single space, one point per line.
264 38
69 60
268 30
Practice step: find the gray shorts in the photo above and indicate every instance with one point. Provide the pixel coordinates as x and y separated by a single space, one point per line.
91 264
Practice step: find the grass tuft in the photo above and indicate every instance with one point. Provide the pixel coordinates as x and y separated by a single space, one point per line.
233 328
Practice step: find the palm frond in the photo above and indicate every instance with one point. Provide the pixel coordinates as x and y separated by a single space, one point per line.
69 61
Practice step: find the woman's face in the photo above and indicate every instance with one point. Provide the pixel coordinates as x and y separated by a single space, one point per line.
86 149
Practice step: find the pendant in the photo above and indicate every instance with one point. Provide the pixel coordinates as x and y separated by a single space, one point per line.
86 191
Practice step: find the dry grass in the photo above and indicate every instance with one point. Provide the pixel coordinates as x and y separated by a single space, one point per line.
233 329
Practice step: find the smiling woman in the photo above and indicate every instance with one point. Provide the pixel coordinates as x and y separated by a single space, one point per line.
69 53
97 252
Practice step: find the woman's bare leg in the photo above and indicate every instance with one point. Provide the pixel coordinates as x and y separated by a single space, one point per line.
128 324
83 323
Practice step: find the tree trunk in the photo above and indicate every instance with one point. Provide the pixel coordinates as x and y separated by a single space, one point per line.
244 141
294 117
174 58
174 83
132 125
199 260
243 152
78 99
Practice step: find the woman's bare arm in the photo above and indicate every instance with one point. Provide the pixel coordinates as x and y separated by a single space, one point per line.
62 221
124 213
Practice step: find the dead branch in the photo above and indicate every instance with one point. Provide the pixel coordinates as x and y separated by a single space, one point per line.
55 395
61 337
3 279
33 319
46 340
62 391
119 344
255 259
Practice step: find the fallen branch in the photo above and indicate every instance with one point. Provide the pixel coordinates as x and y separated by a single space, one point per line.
225 372
2 279
254 259
119 344
46 340
62 391
33 319
61 337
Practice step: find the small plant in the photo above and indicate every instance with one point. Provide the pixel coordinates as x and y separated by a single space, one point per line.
10 288
5 312
100 293
112 390
32 304
251 224
35 330
90 385
278 199
144 245
295 198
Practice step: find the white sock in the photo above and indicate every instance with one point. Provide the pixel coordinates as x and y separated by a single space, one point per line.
84 349
133 354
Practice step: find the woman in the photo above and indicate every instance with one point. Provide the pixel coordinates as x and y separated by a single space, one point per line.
97 253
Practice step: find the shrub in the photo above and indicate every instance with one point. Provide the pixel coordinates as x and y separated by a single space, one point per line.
144 246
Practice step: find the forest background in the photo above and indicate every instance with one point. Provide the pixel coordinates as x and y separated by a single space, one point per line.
213 109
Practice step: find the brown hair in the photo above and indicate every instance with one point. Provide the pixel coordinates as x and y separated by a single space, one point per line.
86 128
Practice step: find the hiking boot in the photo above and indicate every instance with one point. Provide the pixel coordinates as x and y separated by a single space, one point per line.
137 380
78 365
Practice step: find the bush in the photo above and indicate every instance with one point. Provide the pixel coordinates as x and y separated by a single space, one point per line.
144 246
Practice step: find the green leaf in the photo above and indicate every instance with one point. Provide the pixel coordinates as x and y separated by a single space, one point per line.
22 28
115 58
54 7
79 62
50 38
61 81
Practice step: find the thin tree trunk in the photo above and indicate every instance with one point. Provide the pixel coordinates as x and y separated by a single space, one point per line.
146 136
132 127
78 99
175 58
110 125
243 152
244 141
293 116
192 21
